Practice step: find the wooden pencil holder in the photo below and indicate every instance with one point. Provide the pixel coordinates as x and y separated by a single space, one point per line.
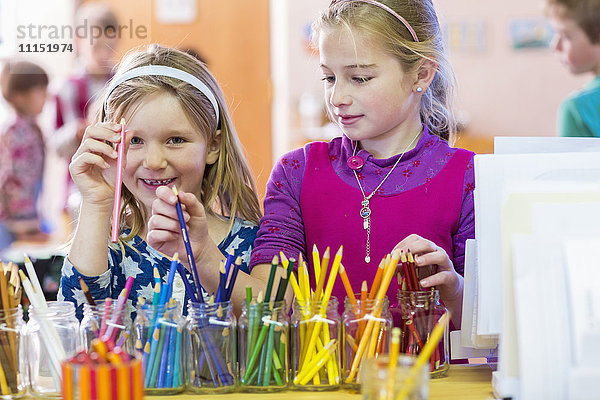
210 348
316 356
419 312
377 342
52 337
264 336
13 382
158 335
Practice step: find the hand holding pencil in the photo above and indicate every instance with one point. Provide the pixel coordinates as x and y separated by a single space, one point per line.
94 164
164 229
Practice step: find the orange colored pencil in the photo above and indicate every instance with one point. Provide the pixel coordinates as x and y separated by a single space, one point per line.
377 279
361 312
348 287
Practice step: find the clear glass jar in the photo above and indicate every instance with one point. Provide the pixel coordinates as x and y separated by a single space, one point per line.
263 335
13 359
356 318
52 337
210 348
420 312
316 335
380 381
158 332
96 319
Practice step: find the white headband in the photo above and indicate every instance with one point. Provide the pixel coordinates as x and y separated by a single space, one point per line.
163 70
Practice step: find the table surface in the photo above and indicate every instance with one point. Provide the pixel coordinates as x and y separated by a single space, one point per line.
464 382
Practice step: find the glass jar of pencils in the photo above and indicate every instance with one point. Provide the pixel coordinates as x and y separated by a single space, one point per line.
420 312
158 334
367 327
13 381
105 316
52 337
316 332
263 335
210 348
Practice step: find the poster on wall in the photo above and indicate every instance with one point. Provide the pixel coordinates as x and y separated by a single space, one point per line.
530 33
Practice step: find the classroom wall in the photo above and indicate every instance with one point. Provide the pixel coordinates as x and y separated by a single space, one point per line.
502 91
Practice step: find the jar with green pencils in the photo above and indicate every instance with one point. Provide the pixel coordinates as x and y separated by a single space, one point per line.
264 335
211 348
316 331
158 335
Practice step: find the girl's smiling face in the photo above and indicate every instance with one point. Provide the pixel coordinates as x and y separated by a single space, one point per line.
164 148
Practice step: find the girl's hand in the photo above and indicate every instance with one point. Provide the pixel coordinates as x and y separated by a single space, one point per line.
93 166
426 254
164 232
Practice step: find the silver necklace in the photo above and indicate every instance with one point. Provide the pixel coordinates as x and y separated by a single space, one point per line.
365 211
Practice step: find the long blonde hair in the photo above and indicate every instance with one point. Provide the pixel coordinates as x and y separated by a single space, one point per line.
228 187
380 25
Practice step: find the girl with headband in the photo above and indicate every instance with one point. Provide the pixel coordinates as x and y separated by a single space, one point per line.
391 181
178 133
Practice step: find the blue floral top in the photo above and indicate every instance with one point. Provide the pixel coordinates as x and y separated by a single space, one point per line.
139 261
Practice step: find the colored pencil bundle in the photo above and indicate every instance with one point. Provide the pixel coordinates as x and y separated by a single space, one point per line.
10 321
421 311
211 347
371 333
102 375
357 315
316 334
158 335
263 360
407 273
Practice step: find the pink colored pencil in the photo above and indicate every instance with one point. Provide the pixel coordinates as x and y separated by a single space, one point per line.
119 181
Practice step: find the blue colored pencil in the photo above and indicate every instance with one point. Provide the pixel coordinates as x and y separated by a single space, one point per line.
222 278
162 371
188 246
188 287
238 263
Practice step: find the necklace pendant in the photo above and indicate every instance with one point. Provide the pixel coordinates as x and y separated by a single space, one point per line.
367 259
366 224
365 213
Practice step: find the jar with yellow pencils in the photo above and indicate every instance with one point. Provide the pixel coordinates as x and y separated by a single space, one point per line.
13 377
210 347
420 311
52 337
357 314
316 332
158 336
264 334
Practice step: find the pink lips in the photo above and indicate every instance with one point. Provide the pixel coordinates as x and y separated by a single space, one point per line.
349 119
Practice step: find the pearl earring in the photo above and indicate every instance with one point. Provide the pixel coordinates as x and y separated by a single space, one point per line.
419 89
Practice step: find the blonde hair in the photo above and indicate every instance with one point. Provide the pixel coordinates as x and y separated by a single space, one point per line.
384 28
228 185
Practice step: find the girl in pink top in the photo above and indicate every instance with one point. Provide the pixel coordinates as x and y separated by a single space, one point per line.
392 180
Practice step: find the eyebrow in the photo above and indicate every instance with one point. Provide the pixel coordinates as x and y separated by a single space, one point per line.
354 66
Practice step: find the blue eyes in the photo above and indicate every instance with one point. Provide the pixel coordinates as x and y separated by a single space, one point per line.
173 140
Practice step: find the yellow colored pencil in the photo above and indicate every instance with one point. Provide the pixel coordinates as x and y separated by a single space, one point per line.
315 364
316 263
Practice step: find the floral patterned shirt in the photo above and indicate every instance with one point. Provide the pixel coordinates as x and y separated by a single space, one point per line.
21 169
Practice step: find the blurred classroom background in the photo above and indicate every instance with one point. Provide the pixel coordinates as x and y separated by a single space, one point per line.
509 81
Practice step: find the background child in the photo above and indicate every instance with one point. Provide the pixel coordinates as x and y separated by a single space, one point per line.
22 152
73 96
577 43
388 87
175 137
